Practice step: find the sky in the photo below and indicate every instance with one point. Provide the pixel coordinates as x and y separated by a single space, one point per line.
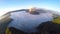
10 5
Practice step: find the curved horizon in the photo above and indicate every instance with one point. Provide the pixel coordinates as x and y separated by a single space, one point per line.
11 5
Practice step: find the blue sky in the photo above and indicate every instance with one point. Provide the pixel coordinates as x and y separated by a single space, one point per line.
8 5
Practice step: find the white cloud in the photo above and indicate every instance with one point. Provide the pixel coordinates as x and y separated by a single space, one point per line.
5 10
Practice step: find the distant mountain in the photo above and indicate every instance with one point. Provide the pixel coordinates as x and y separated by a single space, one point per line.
40 10
19 10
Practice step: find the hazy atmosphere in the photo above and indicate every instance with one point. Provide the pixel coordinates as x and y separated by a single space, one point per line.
29 16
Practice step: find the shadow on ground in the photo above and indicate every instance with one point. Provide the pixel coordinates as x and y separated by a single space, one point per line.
3 26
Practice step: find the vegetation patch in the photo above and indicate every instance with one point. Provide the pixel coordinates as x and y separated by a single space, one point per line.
56 20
